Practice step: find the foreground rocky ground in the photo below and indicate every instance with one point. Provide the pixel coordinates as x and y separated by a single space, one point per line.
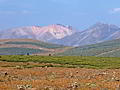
13 76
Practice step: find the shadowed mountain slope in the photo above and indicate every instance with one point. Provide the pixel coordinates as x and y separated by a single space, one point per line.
106 49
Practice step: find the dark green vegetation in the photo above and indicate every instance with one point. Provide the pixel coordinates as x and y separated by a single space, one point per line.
105 49
24 46
19 51
67 61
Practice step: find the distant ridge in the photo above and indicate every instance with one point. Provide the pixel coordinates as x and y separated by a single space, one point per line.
65 35
104 49
24 46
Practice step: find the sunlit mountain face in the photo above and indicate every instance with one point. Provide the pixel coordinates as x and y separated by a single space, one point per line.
45 33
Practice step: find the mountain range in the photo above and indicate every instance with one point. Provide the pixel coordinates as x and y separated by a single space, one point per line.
47 33
64 35
95 34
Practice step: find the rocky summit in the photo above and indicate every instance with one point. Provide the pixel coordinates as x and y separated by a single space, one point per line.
46 33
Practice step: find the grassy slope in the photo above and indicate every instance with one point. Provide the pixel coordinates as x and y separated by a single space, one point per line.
68 61
46 47
109 49
36 43
19 51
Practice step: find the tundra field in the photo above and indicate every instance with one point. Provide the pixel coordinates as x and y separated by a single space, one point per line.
22 72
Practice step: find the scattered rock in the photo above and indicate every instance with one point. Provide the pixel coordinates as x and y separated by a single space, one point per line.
115 79
19 67
77 72
28 86
21 87
24 87
118 87
91 84
71 75
74 85
5 73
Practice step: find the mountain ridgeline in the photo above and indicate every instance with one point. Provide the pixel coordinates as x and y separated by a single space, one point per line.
104 49
64 35
46 33
95 34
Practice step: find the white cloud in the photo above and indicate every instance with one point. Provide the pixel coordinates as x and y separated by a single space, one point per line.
115 10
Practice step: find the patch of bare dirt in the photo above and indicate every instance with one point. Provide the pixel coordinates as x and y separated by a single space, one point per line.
56 78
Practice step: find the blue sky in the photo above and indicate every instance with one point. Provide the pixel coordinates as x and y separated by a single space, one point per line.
78 13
